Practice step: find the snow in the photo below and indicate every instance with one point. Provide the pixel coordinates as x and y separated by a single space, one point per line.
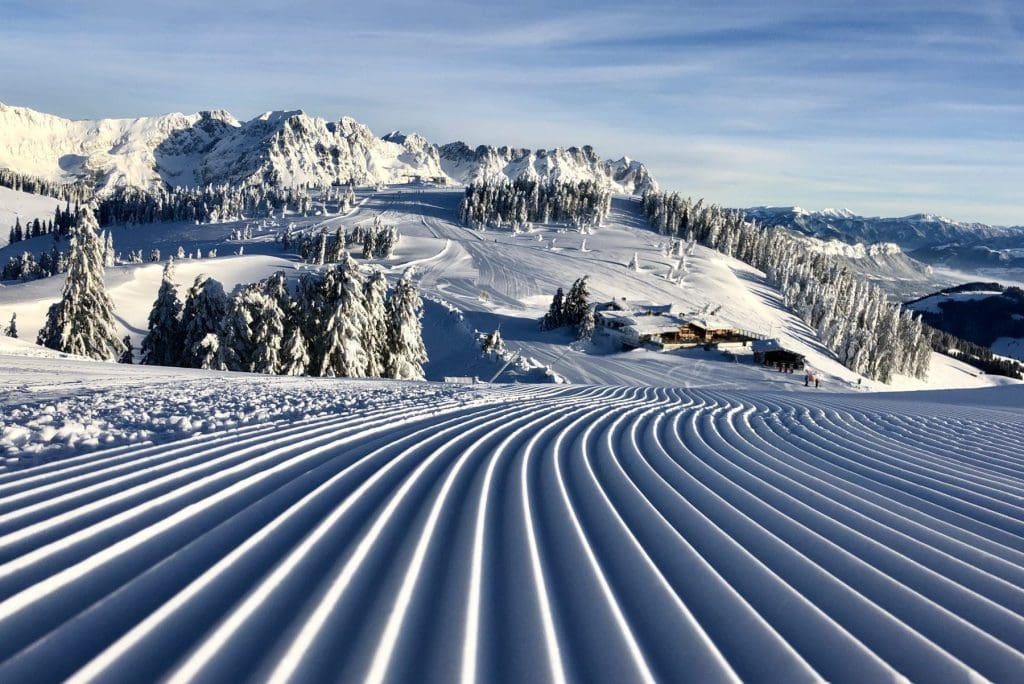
681 515
162 523
932 303
497 279
26 206
1012 347
214 147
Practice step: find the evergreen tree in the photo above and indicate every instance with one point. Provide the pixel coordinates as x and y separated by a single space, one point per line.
345 304
236 344
82 322
555 317
268 325
206 307
12 328
577 302
108 249
295 352
405 336
585 329
127 355
375 335
164 343
493 342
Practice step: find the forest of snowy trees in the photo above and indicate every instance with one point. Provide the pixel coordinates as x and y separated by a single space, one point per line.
335 323
59 226
582 205
853 318
70 192
376 241
338 322
200 205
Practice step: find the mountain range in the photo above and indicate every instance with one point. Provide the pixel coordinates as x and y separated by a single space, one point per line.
290 147
933 239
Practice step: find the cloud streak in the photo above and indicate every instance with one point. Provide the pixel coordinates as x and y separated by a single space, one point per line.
887 107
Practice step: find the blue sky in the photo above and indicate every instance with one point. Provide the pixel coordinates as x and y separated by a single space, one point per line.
883 107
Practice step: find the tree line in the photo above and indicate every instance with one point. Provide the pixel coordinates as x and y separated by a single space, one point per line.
853 317
339 322
207 204
69 192
518 203
59 226
377 241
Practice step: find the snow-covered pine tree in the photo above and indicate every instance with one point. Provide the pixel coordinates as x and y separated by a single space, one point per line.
268 325
407 353
345 303
337 251
127 356
321 247
108 249
493 343
205 309
375 335
294 352
585 329
163 344
82 322
576 302
555 317
237 347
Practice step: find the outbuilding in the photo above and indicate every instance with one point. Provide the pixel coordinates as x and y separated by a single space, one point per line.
771 353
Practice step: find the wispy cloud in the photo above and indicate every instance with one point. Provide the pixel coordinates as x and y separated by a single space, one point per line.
881 106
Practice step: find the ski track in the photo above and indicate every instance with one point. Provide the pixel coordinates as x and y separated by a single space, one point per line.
533 533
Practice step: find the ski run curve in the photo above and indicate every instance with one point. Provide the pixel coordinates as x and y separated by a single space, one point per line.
531 534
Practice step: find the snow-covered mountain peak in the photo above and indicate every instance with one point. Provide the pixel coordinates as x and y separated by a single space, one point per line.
837 213
286 146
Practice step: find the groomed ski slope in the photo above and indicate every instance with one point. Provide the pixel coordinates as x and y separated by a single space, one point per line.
528 533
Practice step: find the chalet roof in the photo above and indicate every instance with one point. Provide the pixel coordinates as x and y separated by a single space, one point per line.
772 345
656 324
706 324
766 345
641 307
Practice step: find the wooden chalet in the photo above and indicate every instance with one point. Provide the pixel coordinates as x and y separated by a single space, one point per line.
643 324
771 353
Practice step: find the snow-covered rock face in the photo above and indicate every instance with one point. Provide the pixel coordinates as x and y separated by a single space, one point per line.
467 165
286 146
110 152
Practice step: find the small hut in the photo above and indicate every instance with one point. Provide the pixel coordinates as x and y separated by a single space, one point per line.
771 353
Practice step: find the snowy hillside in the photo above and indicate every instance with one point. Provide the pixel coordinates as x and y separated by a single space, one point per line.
668 515
290 147
25 206
195 525
500 280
